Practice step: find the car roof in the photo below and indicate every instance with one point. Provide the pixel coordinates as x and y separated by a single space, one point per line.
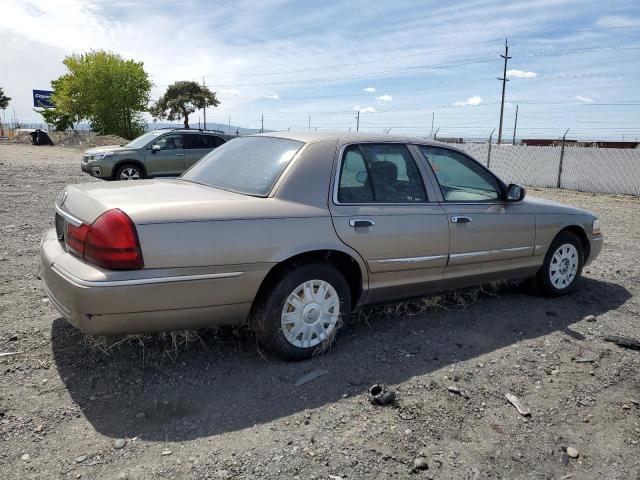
196 130
348 137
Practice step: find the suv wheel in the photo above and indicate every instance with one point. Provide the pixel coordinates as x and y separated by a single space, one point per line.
299 314
129 171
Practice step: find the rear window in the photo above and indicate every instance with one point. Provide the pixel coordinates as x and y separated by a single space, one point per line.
249 165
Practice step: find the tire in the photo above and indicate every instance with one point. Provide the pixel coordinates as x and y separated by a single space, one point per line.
129 171
297 329
562 266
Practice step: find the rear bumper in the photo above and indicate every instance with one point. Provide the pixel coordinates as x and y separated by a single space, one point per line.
99 301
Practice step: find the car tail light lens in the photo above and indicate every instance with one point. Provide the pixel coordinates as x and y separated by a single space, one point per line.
75 237
111 241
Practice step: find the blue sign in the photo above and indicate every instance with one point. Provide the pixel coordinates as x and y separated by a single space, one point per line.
42 99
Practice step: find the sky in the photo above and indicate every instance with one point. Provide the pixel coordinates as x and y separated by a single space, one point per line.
403 65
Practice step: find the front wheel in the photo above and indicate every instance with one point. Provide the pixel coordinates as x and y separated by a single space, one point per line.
562 266
299 314
129 171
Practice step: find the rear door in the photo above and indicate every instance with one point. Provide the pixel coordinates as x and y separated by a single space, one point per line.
382 208
169 160
198 145
489 236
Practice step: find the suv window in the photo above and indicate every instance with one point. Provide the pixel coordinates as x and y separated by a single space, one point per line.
194 141
381 173
461 179
170 142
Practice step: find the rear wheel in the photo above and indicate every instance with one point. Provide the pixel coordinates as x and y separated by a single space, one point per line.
299 314
129 171
562 266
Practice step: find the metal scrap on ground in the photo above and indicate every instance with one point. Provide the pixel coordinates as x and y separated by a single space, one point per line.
524 411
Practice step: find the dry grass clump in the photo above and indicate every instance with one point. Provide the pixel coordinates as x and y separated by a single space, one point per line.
170 342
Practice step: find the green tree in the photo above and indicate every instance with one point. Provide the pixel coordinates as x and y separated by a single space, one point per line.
61 121
105 89
4 100
181 99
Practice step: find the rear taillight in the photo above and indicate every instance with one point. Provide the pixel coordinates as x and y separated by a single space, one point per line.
111 241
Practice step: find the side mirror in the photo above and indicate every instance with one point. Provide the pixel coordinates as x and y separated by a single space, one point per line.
515 193
155 148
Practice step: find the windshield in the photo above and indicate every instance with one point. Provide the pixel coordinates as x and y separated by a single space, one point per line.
143 139
249 165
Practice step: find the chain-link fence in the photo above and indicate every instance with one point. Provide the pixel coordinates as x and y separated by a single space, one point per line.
601 170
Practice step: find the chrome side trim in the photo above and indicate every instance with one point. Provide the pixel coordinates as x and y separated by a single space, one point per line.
76 222
537 248
141 281
487 252
411 259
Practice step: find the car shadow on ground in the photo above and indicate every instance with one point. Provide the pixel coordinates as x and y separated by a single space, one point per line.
226 385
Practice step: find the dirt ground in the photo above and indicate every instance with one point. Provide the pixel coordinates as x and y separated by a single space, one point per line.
218 409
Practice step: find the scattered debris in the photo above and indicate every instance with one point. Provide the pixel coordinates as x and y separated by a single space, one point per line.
25 457
310 377
119 443
581 359
524 411
165 453
8 354
573 452
81 458
590 318
625 342
420 463
380 394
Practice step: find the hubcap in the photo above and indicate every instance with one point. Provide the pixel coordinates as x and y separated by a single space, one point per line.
130 174
310 313
564 266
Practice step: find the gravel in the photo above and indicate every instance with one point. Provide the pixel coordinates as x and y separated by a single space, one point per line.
224 411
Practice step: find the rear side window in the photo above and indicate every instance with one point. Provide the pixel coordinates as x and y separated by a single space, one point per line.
380 173
249 165
196 141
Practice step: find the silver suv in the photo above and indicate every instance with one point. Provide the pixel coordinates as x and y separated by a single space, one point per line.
158 153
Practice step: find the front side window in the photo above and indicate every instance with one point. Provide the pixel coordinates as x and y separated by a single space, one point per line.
170 142
380 173
461 179
249 165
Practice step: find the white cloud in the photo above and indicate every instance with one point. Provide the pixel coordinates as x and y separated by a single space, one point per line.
273 96
230 91
520 74
580 98
370 89
615 21
384 98
358 108
471 101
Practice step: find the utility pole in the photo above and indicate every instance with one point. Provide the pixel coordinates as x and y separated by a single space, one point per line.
433 117
504 81
358 122
435 135
515 126
205 108
309 122
229 124
262 124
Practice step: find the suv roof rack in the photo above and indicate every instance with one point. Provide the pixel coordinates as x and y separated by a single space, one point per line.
193 129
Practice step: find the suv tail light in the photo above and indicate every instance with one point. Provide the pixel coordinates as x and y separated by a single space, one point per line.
111 241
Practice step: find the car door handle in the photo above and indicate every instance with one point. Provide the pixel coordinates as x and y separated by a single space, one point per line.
361 222
458 219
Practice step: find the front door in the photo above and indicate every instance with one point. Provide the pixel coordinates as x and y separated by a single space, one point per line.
381 208
489 236
169 159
